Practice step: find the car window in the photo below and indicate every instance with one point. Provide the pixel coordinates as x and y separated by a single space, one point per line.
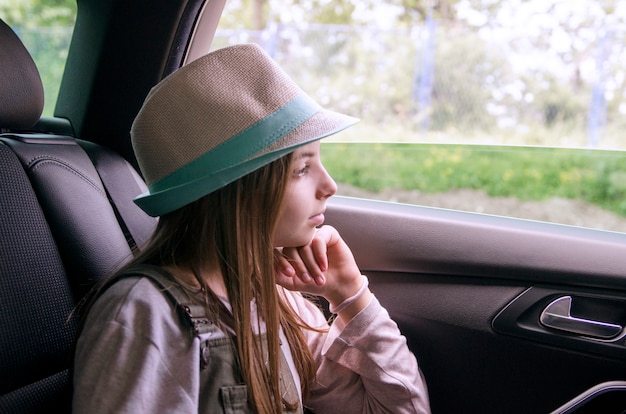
513 108
45 27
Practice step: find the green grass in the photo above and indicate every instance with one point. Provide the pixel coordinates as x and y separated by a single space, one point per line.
527 173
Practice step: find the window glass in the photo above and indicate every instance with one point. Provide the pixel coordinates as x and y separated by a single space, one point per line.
45 27
512 108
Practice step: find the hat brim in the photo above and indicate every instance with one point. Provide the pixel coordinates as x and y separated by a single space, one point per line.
165 200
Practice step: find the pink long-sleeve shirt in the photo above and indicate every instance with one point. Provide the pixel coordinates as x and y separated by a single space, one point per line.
134 356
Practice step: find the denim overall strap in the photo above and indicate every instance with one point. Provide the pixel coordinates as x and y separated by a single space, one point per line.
222 388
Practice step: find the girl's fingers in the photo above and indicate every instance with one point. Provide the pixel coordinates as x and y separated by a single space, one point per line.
286 273
325 266
310 256
306 266
319 249
302 261
299 259
282 264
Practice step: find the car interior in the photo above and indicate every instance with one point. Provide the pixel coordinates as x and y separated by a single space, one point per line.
503 314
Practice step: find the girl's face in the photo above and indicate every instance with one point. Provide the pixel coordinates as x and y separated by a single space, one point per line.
308 188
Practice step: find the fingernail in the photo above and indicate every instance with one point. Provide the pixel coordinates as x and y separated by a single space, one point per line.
306 277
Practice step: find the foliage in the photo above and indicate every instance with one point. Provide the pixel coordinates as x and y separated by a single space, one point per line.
416 10
479 78
467 70
38 13
327 11
527 173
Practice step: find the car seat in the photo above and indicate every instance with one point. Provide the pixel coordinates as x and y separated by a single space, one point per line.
61 231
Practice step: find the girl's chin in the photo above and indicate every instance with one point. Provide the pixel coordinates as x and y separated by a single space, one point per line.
298 240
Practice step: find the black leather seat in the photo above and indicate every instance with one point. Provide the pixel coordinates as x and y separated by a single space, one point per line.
36 299
60 233
78 211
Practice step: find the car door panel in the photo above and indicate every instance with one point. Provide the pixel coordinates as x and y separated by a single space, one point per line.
468 290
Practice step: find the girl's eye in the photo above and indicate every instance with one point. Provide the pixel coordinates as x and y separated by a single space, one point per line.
301 172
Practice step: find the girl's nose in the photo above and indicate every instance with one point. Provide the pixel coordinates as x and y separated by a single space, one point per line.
327 186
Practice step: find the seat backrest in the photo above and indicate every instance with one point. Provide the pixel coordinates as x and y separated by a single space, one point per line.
76 204
60 233
35 301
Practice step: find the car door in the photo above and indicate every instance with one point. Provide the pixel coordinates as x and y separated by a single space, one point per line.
471 293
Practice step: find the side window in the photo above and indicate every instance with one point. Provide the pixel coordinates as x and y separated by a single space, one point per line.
505 108
45 27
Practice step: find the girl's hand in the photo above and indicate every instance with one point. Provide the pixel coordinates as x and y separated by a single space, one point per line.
324 267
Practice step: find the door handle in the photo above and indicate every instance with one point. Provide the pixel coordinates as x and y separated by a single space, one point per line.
557 315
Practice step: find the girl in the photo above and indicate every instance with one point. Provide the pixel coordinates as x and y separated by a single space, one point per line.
229 147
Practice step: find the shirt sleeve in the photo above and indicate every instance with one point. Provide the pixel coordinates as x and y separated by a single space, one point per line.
132 349
364 366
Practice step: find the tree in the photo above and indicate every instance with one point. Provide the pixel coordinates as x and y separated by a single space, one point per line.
38 13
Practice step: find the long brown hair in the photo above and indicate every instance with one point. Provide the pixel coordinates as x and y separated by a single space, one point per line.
231 230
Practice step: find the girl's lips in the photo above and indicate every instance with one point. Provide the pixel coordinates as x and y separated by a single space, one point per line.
318 219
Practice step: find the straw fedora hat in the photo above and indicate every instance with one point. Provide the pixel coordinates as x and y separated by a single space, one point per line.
217 119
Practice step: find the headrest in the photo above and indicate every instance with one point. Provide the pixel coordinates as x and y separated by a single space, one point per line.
21 90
